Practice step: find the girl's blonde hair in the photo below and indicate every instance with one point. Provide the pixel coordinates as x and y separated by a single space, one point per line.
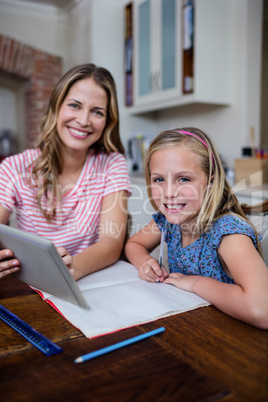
48 165
219 197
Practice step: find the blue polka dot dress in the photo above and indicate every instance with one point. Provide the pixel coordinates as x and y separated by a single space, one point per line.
201 257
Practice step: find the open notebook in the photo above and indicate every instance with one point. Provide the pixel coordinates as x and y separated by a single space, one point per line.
119 299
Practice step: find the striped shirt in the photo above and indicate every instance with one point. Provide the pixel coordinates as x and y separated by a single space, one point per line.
76 223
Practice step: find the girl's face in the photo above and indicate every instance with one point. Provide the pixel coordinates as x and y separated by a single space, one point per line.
82 116
178 185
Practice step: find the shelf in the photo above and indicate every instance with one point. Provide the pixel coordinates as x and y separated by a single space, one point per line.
212 54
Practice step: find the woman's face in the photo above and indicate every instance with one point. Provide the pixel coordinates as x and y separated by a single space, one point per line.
178 185
82 116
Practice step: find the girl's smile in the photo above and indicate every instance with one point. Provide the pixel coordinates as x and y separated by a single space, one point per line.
178 184
173 208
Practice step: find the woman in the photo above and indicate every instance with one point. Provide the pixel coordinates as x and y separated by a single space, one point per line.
73 188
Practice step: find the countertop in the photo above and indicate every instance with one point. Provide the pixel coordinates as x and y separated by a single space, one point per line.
241 189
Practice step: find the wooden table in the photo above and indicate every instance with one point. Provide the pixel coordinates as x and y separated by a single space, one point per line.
203 355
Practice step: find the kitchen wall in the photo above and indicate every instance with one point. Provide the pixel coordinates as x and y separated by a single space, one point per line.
264 77
38 26
230 126
93 31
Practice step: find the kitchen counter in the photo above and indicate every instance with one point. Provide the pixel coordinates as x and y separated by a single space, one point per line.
245 192
251 194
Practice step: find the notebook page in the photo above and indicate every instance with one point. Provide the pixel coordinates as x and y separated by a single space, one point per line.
119 272
119 299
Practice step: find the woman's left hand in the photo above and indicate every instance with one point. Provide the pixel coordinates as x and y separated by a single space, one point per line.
68 260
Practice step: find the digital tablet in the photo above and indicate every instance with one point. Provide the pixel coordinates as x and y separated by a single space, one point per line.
41 265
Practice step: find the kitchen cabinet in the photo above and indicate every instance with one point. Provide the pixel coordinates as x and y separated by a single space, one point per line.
156 31
159 44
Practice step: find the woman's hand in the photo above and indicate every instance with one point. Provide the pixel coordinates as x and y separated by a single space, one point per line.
7 264
68 261
150 271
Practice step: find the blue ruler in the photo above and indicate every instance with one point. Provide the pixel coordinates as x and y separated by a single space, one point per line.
38 340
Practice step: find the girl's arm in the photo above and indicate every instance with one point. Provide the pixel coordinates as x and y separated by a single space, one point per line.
138 250
112 230
247 299
10 265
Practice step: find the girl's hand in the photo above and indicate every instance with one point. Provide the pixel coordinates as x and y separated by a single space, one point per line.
185 282
68 261
150 271
7 264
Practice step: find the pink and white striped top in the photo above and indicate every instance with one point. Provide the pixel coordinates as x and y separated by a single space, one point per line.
76 224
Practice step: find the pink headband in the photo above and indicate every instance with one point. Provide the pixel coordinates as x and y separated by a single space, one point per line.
196 136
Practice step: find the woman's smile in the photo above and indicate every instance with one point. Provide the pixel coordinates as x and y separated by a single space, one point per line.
80 134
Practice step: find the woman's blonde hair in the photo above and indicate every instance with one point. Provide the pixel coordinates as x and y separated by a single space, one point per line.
219 197
48 165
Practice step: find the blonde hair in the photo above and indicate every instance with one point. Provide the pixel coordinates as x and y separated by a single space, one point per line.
219 197
48 165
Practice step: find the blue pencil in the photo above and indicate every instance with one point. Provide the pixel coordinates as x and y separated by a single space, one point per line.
118 345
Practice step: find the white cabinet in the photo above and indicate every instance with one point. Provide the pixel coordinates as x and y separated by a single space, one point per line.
156 41
158 53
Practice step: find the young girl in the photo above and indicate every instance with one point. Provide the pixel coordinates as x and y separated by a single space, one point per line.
213 250
72 189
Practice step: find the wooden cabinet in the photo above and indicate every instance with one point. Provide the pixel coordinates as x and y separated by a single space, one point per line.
159 28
